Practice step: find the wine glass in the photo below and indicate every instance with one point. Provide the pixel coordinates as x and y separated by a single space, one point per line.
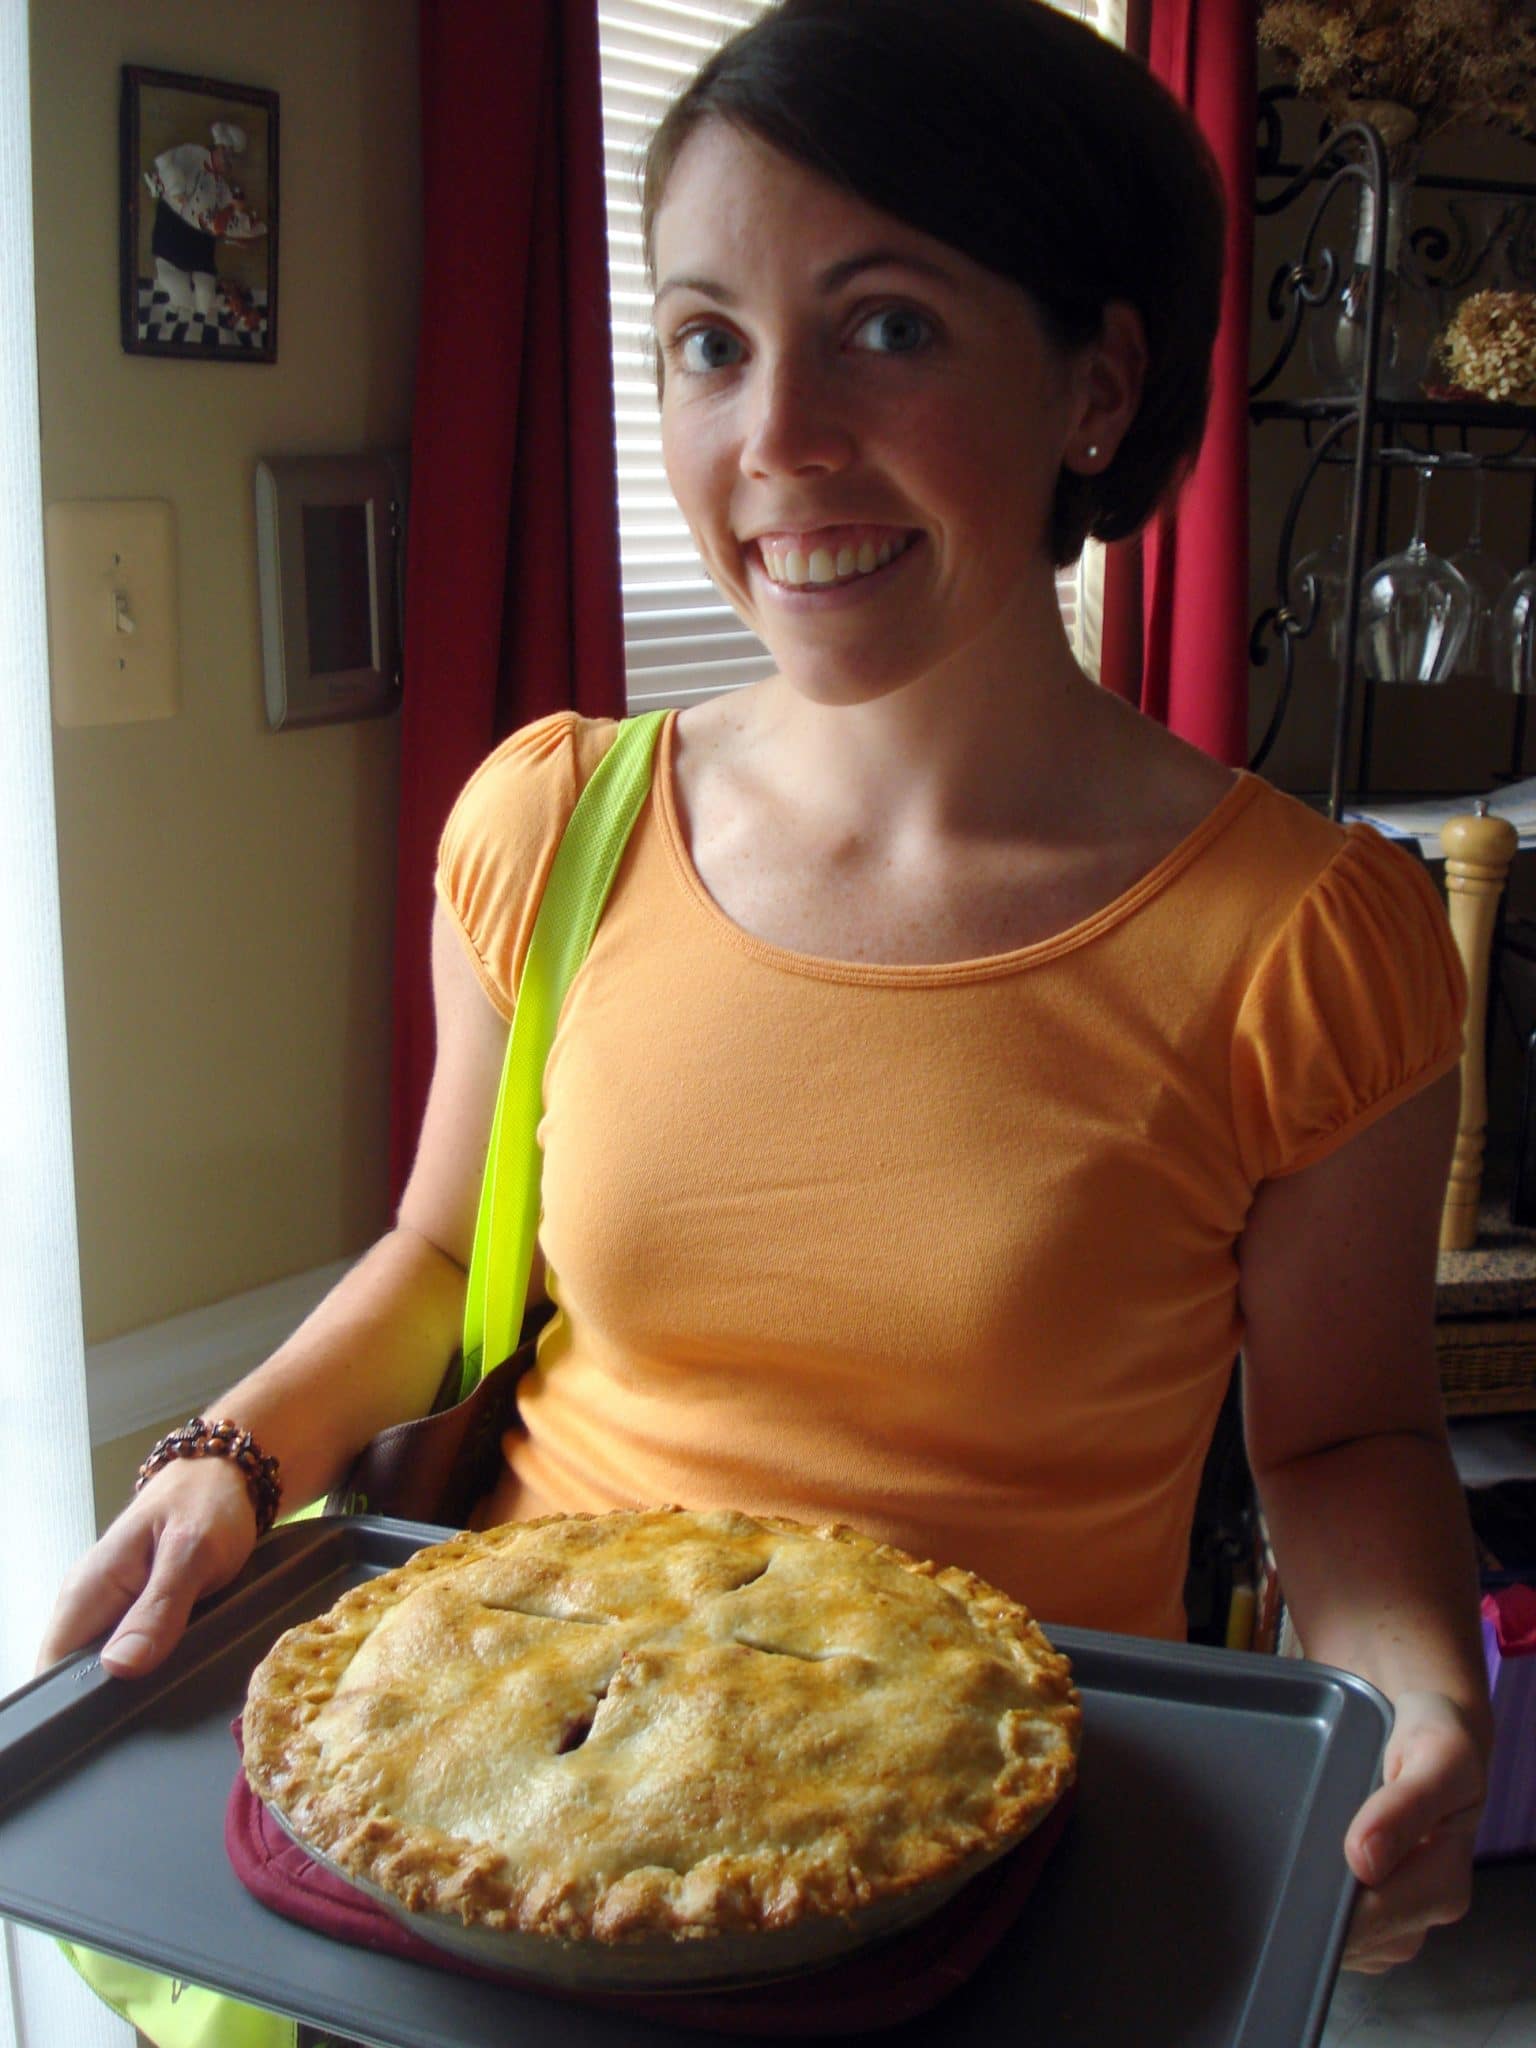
1512 634
1320 577
1415 610
1488 578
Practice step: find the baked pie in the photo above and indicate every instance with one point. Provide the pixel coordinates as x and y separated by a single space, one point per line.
662 1747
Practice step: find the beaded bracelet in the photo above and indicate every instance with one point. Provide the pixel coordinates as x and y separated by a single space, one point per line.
200 1439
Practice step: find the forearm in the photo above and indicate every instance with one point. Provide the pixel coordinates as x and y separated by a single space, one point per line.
1377 1566
372 1354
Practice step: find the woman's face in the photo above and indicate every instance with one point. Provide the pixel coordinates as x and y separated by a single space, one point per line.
862 427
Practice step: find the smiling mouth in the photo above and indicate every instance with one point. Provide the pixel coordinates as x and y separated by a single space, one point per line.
830 556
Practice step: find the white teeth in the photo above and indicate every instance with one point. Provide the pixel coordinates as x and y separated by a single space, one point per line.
792 567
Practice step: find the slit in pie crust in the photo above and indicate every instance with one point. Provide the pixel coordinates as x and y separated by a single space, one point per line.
671 1746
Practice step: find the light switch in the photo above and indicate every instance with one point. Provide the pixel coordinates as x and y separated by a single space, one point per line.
113 640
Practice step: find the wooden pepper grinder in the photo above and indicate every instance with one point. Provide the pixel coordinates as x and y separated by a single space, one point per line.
1478 851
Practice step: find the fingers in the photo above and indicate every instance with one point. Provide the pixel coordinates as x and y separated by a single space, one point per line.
188 1533
1431 1887
1393 1823
1435 1777
157 1619
95 1592
1411 1843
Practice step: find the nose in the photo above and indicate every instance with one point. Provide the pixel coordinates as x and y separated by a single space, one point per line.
796 424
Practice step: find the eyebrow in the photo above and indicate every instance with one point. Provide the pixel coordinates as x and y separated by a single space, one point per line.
830 280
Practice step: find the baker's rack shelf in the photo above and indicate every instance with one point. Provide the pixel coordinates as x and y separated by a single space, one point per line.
1372 436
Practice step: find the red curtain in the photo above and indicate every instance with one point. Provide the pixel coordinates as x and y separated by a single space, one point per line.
512 573
1175 637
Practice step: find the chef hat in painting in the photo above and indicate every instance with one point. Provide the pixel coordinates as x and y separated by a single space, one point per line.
227 136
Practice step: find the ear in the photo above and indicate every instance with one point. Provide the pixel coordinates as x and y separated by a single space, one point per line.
1110 375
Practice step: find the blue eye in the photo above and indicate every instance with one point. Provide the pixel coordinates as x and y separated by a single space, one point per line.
708 348
896 331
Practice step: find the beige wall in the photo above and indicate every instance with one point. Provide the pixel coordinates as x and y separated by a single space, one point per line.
228 893
115 1466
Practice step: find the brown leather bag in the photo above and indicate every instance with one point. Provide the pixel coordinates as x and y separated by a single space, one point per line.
436 1468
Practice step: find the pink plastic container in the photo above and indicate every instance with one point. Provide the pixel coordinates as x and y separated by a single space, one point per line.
1509 1644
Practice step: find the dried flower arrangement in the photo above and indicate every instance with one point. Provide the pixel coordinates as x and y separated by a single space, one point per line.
1412 68
1489 349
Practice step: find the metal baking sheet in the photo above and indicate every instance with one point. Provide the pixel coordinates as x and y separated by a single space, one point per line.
1199 1898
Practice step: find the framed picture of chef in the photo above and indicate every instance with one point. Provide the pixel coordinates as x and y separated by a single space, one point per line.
199 218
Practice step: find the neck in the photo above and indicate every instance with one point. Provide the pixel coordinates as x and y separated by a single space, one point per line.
983 744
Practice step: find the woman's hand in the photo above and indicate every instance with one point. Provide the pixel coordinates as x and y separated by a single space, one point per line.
185 1535
1410 1844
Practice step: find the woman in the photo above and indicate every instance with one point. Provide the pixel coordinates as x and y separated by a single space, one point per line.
965 1068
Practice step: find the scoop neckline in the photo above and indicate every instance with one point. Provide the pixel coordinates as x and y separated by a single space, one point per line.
933 974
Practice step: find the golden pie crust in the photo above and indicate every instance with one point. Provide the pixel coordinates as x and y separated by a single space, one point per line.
662 1726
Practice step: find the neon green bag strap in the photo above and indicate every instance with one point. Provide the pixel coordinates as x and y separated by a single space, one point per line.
172 2013
585 863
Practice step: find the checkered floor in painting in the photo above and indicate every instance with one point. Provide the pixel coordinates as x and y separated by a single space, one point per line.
159 322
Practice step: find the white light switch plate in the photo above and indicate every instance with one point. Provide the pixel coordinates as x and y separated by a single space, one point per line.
113 639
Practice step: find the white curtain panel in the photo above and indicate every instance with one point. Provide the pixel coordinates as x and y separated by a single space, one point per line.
45 1477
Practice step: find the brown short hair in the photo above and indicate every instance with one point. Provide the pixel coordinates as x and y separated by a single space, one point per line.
1030 144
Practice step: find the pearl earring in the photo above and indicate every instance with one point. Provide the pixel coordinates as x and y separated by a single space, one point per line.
1093 452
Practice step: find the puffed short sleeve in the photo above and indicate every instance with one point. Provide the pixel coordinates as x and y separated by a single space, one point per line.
1356 1005
501 836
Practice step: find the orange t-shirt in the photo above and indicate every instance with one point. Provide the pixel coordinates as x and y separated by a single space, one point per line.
947 1252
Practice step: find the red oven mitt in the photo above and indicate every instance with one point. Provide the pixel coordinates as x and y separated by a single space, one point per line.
894 1981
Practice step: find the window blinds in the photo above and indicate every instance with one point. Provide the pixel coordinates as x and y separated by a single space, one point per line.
681 640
